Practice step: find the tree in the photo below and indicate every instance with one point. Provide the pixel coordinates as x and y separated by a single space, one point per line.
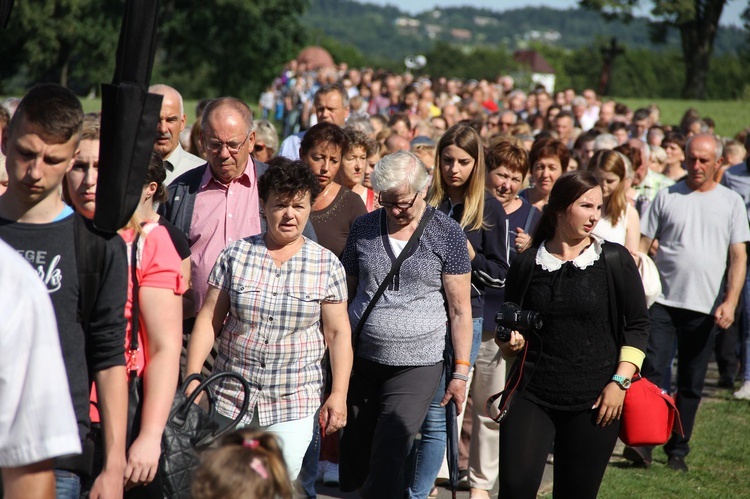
227 47
697 22
71 42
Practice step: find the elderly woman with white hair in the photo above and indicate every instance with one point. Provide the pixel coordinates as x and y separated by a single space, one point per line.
409 275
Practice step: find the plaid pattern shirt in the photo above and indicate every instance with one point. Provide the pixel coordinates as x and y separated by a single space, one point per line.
273 335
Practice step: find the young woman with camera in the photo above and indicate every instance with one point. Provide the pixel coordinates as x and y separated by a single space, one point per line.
573 373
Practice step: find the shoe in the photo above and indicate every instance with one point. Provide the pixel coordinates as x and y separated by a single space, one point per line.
640 456
744 392
433 493
463 480
677 463
321 471
726 381
330 474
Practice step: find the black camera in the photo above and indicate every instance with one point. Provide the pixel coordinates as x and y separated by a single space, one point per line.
512 318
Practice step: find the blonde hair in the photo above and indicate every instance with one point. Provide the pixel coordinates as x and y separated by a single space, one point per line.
612 162
247 465
467 139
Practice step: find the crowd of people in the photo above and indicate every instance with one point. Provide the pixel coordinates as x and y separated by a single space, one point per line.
352 272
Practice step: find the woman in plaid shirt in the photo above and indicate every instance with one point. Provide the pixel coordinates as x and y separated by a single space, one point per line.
277 300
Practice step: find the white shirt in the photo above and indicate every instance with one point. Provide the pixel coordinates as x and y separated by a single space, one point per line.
179 162
37 421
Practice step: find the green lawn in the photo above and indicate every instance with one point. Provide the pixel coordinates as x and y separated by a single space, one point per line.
730 116
719 460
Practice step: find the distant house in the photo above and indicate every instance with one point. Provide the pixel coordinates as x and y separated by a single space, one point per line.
541 71
461 34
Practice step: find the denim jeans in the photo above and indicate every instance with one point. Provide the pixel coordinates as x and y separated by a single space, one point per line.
428 452
67 484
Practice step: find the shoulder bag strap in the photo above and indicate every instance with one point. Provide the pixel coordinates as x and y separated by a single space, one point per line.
134 309
413 240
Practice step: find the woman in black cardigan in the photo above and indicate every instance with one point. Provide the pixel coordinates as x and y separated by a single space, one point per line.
574 372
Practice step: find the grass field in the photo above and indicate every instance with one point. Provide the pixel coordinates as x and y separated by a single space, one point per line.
730 116
719 461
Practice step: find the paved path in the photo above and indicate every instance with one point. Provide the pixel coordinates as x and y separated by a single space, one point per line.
709 391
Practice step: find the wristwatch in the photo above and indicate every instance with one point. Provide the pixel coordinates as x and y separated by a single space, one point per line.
622 381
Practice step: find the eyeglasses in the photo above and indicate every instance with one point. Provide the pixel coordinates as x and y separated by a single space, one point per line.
399 206
259 147
215 146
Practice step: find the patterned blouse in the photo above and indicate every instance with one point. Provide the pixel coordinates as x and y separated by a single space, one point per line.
407 325
273 335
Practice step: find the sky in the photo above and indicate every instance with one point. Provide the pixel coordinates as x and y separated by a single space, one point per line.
731 14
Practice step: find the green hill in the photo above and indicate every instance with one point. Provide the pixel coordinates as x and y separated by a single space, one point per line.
389 33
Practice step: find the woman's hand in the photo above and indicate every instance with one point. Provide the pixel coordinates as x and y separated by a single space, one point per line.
191 388
513 346
523 240
333 413
457 391
143 460
609 404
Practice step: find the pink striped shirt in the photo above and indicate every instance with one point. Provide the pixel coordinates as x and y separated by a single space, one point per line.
222 215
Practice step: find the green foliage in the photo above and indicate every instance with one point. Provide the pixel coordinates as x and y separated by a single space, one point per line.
479 62
206 47
697 21
227 47
71 42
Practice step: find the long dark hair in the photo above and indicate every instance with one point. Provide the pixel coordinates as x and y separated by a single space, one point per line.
569 187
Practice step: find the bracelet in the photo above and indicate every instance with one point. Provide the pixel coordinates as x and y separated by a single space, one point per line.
462 377
463 363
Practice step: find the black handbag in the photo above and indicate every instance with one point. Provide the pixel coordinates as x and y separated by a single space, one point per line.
191 429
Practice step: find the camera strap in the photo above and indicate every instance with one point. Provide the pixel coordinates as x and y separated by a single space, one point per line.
410 244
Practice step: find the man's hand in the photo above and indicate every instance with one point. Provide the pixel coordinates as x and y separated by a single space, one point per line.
724 315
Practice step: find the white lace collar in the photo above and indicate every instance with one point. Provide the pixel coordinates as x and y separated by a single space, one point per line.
551 263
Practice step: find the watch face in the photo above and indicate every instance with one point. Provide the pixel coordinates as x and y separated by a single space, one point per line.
626 383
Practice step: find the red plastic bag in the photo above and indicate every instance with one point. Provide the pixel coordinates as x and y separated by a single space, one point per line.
648 415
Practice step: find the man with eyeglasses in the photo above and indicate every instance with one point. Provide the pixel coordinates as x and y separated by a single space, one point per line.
331 103
172 121
217 203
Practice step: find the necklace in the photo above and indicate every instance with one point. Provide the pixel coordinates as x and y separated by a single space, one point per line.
322 196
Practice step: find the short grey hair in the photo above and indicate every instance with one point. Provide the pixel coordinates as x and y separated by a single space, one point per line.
266 133
398 169
605 141
717 144
360 124
580 101
333 87
162 89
